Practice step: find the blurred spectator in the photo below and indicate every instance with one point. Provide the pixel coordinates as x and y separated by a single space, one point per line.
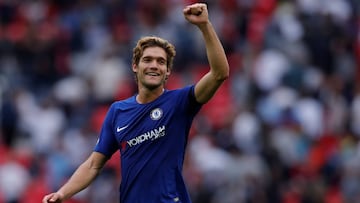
13 181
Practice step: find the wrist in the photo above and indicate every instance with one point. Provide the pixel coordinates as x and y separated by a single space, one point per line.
61 195
204 26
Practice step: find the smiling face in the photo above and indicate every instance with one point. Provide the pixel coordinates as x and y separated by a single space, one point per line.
152 70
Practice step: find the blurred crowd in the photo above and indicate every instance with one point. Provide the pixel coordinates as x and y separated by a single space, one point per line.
284 128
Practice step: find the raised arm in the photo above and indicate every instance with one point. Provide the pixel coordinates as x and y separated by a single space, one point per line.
206 87
81 179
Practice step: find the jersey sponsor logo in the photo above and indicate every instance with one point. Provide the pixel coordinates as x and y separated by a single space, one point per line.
156 114
150 135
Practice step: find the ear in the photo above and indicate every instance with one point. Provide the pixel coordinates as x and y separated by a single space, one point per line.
167 74
134 68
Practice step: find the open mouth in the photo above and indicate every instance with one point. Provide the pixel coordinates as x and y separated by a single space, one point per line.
153 74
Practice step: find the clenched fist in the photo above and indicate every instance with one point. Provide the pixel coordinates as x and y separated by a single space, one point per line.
196 13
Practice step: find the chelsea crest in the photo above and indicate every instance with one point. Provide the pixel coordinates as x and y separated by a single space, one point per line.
156 114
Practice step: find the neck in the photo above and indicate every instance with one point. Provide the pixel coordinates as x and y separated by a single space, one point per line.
146 95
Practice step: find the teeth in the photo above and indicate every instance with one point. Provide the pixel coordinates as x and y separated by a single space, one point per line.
153 74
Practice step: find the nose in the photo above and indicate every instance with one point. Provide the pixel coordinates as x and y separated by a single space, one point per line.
154 64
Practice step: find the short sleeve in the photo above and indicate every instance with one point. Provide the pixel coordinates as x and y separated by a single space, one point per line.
194 106
107 143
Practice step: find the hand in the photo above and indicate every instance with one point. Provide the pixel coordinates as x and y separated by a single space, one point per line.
196 13
53 198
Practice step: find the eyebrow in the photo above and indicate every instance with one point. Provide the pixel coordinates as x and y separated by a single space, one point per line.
154 57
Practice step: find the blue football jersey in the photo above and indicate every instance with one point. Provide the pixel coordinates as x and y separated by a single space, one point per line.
152 139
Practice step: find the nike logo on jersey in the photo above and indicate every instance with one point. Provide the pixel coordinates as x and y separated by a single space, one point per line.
118 129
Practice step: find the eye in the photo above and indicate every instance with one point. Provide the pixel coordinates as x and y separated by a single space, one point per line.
162 61
146 59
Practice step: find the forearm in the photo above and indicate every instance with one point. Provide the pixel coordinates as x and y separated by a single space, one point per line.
82 178
206 87
215 52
